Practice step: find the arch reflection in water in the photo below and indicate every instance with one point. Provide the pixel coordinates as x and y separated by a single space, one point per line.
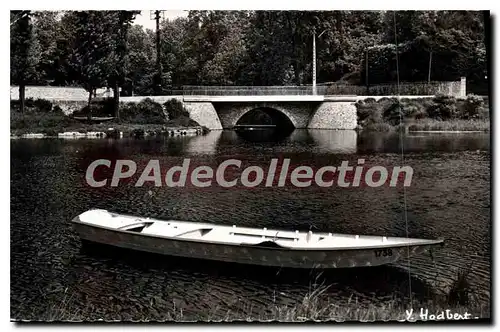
204 144
264 125
266 116
262 134
336 141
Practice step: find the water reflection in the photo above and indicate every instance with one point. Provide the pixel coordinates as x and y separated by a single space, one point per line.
335 141
258 135
321 141
206 144
413 142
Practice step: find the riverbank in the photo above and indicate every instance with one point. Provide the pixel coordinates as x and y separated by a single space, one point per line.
313 306
110 130
42 119
440 113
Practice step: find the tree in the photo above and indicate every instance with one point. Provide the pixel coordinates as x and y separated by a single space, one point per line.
270 52
24 55
58 70
229 49
173 34
95 54
98 48
119 22
141 55
46 32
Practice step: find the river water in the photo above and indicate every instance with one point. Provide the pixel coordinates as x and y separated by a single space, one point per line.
449 198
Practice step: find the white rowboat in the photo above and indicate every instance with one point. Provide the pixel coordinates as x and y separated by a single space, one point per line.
245 245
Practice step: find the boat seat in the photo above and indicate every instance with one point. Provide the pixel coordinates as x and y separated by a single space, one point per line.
172 229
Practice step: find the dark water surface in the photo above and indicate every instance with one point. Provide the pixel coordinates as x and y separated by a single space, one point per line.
449 198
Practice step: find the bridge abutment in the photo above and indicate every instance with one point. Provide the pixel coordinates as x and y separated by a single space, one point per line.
334 115
204 113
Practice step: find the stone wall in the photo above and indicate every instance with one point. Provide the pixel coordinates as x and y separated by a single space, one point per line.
334 115
204 113
58 93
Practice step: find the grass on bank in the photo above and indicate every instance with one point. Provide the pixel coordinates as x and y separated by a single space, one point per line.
440 113
313 306
41 116
450 125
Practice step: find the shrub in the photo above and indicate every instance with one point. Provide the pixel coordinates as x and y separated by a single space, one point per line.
175 109
392 111
57 109
147 111
380 127
411 110
99 107
43 105
31 105
443 108
484 113
363 111
182 121
472 107
28 102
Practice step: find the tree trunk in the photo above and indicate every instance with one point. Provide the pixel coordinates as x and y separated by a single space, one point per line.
89 115
116 97
22 90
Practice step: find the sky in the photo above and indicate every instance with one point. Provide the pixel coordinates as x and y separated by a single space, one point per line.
147 23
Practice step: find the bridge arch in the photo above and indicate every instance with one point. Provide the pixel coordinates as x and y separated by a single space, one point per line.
297 115
266 116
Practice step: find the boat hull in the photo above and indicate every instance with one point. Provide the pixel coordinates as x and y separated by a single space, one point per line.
248 254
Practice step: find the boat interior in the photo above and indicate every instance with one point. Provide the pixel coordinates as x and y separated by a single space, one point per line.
201 232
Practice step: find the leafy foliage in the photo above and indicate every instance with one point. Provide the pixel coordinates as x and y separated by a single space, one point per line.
146 111
24 48
456 40
175 109
94 51
391 111
103 48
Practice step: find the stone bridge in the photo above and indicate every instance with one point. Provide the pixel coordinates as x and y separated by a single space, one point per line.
313 112
222 107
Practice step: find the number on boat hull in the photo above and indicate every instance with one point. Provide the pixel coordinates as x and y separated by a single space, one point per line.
383 252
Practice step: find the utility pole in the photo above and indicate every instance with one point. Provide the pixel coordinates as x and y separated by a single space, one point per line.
157 14
314 61
430 66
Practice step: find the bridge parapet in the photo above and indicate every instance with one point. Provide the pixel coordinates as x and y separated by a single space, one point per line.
456 88
253 90
253 98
